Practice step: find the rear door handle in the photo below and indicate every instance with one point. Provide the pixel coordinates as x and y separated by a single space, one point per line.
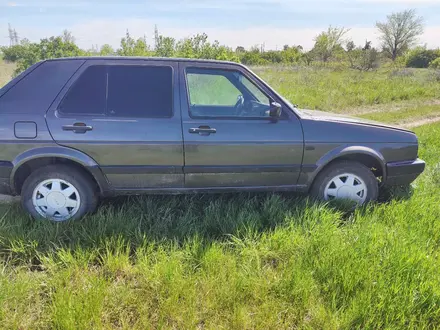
77 128
203 130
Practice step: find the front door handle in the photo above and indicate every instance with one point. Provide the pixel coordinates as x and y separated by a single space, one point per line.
203 130
77 128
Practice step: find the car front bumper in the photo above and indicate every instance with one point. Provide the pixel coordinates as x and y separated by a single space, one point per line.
403 173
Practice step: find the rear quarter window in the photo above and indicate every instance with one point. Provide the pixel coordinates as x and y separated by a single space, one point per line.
36 91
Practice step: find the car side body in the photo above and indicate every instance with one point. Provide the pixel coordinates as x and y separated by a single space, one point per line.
187 142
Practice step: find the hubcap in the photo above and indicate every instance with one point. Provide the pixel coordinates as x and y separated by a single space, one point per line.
56 199
346 186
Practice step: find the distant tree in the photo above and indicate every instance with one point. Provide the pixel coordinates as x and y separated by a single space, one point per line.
253 57
328 42
362 58
106 50
291 55
16 52
56 47
308 57
367 45
240 50
350 46
400 32
68 36
184 48
198 46
53 47
165 46
131 47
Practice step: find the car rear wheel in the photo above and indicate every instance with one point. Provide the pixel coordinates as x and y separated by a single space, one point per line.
346 180
59 193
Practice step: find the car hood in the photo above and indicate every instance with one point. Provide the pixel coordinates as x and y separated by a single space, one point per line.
327 116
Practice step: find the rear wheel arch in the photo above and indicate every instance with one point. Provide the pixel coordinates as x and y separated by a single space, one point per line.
59 192
32 160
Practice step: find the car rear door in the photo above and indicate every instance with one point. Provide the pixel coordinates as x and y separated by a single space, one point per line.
125 114
226 147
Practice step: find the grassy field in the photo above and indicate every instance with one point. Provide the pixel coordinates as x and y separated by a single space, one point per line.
249 261
341 91
6 71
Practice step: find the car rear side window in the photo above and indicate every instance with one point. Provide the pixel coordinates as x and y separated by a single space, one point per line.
122 91
140 91
88 93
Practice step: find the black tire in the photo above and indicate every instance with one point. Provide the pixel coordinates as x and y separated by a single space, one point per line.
86 188
341 167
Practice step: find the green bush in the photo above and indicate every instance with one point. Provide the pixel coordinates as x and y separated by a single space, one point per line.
435 64
53 47
421 57
14 53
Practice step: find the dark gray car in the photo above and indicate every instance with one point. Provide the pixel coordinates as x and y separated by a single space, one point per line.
73 130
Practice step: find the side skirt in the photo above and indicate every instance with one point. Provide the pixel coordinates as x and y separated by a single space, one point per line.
214 190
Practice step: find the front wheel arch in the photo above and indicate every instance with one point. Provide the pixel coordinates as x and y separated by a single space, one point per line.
340 168
369 158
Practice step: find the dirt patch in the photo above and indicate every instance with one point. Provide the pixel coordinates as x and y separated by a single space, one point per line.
392 107
421 122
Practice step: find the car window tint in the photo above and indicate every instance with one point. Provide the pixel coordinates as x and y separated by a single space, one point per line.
217 93
88 94
256 92
140 91
211 89
37 88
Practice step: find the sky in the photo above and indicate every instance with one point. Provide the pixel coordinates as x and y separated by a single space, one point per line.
246 23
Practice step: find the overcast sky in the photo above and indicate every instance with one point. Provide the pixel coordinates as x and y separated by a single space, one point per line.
232 22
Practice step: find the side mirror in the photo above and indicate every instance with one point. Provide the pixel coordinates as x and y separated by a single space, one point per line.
275 110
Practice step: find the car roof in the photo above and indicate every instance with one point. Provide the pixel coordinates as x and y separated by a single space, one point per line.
162 59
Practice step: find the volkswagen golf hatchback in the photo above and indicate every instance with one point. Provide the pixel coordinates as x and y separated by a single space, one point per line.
76 129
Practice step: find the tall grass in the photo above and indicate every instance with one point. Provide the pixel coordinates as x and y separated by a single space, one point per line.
6 71
229 262
339 90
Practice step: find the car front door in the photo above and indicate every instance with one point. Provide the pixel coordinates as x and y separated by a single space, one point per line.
125 114
230 141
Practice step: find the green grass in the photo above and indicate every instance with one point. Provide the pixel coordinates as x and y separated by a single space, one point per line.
246 261
233 261
6 71
340 90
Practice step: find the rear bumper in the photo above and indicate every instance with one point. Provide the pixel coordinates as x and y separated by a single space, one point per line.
5 175
403 173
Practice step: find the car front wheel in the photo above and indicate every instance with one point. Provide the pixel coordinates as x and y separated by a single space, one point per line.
346 180
58 193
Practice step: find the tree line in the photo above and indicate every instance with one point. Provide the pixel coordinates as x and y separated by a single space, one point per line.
398 38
